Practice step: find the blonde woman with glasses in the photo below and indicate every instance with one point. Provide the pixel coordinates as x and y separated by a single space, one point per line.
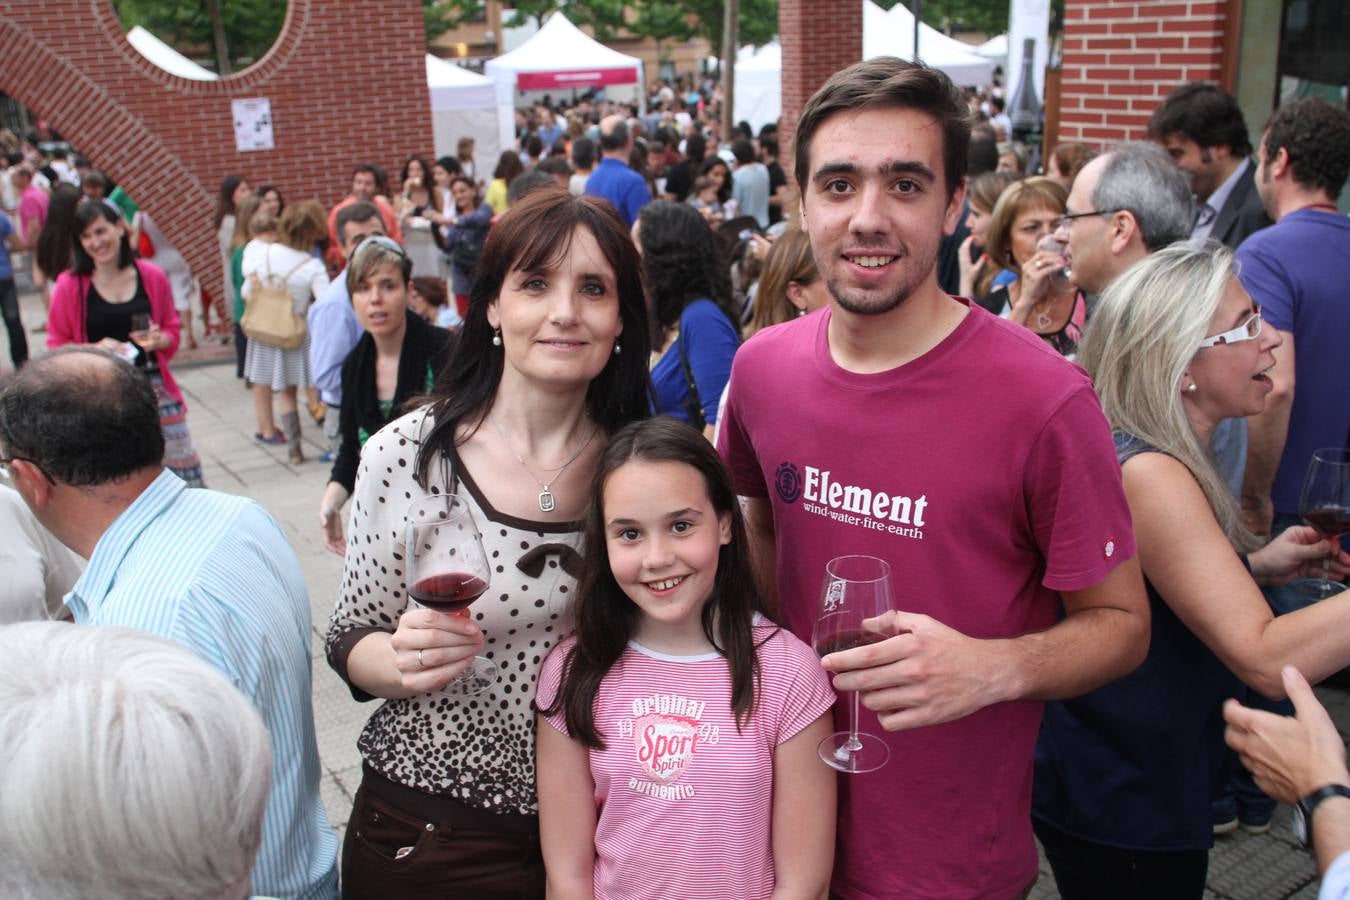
1125 774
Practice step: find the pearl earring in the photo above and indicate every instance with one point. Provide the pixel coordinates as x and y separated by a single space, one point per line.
617 351
496 337
1192 388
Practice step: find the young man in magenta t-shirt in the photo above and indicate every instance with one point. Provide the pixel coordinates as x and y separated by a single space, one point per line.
903 423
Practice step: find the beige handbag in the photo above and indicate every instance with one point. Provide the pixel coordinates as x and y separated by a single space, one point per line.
269 312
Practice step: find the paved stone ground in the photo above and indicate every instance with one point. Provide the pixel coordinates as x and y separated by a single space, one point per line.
1242 866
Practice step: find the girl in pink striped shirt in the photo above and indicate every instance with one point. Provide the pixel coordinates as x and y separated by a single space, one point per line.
678 727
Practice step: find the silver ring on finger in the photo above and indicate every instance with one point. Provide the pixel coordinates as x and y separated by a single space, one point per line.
420 664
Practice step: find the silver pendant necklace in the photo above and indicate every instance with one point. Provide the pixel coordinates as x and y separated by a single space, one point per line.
547 501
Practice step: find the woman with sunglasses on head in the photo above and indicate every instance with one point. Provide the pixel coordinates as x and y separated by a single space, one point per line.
398 357
552 359
1125 774
113 300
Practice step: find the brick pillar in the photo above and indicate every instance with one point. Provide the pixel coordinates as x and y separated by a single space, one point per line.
819 37
346 81
1121 57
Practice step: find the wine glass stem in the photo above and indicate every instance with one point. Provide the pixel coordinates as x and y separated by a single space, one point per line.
853 745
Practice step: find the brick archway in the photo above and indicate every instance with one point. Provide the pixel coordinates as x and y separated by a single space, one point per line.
347 84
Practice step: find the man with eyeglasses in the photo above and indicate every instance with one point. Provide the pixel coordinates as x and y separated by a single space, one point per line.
1124 205
80 436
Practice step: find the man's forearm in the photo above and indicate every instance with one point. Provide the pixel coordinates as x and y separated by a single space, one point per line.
1091 647
1266 434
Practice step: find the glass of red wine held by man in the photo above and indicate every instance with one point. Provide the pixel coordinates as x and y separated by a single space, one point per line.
1325 505
855 596
448 570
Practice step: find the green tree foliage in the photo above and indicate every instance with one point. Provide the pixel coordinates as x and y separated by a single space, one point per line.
989 16
251 26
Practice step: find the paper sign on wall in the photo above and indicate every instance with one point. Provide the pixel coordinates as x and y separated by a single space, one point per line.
252 124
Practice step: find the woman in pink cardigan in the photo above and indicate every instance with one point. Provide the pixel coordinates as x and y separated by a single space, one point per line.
112 300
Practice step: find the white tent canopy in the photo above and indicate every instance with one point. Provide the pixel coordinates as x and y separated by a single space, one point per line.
758 95
464 104
559 56
167 58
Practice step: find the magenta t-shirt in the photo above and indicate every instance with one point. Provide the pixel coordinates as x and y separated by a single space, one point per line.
685 798
32 208
984 472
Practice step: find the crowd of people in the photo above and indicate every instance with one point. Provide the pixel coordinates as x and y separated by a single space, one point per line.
1072 410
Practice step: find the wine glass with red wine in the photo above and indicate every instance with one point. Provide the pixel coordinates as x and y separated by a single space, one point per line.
448 570
856 592
1325 505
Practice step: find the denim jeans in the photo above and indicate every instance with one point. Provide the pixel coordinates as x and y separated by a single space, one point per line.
9 307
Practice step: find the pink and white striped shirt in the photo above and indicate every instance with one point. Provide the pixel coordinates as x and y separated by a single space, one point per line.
685 800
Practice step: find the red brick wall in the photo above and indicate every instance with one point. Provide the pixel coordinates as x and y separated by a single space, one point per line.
1121 57
819 37
346 81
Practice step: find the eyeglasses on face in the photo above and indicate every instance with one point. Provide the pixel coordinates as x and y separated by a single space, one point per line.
1249 330
1066 221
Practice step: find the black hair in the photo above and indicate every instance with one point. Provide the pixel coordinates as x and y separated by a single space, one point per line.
536 233
361 211
888 82
55 243
86 214
982 155
95 178
681 263
526 182
606 618
225 199
1316 135
449 164
743 150
768 144
694 147
1203 113
616 138
712 162
83 421
370 169
426 170
534 147
583 153
554 165
266 189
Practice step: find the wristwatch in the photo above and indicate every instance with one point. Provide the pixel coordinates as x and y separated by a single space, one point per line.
1307 805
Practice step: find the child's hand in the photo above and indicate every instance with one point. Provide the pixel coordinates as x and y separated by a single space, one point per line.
431 648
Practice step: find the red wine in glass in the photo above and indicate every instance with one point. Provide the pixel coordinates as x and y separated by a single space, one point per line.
447 570
847 639
448 593
1325 505
1330 521
856 593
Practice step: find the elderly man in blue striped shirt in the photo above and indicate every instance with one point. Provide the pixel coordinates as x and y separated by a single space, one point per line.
80 435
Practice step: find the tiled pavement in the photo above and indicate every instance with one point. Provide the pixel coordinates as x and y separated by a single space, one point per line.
1242 866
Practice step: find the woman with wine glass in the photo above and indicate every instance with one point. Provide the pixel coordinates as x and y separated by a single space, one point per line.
667 607
398 357
1019 235
1125 774
113 300
552 359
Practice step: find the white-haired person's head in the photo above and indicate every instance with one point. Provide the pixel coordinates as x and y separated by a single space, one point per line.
128 768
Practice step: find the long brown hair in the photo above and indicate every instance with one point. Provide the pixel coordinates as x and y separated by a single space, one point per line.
605 616
789 261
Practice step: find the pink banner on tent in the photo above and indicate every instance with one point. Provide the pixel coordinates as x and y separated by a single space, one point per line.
535 81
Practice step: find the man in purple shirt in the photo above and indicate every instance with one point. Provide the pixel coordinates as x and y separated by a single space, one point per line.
1297 270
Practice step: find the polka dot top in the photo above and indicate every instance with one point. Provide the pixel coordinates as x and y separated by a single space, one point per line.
478 751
